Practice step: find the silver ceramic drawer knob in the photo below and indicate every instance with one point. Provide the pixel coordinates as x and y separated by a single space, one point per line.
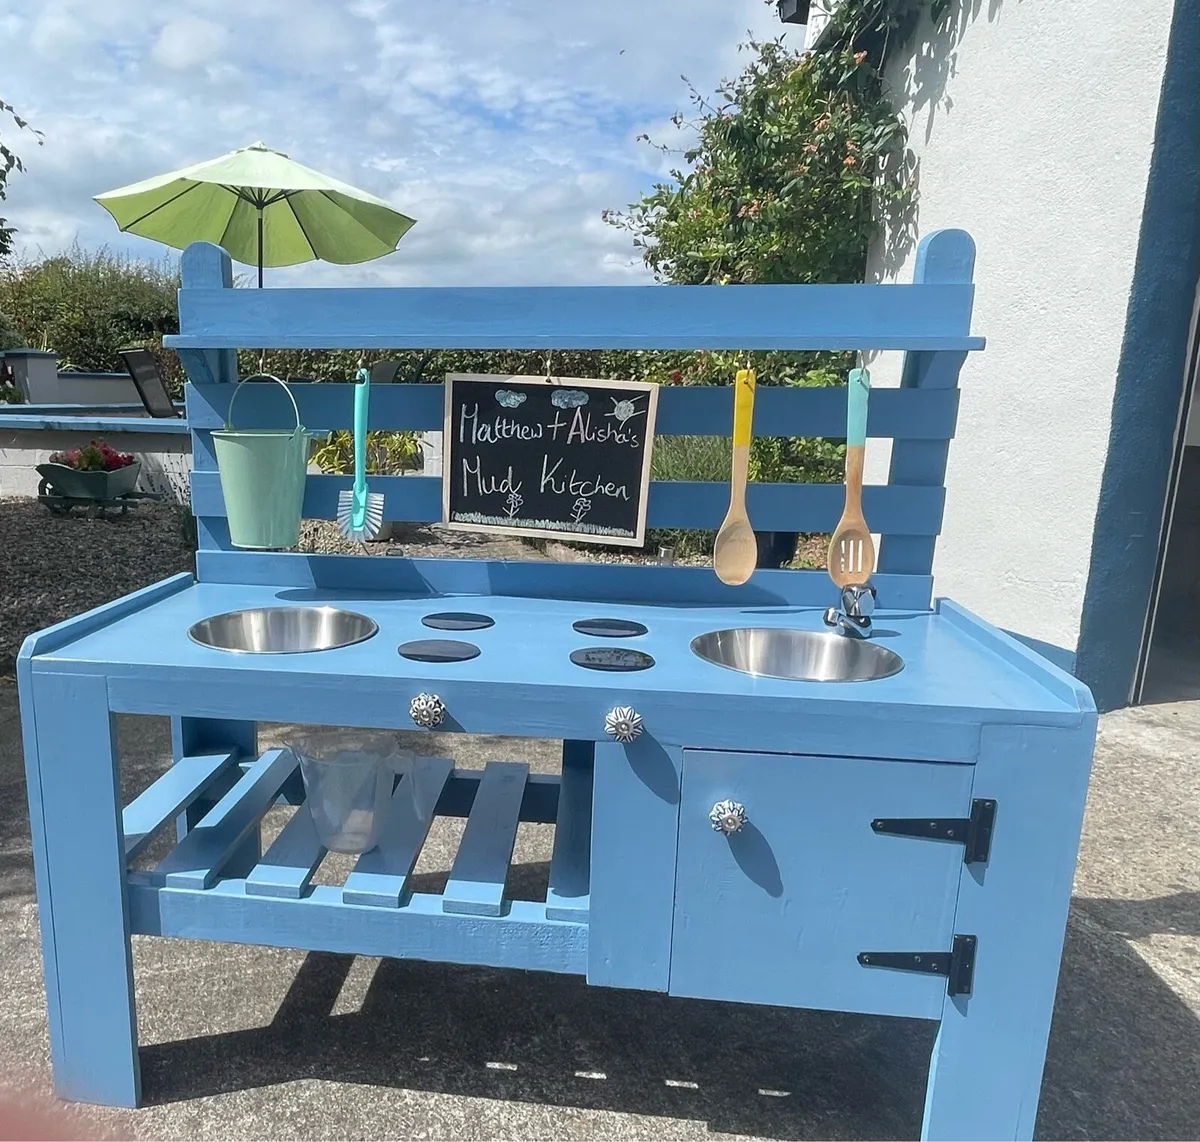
623 723
728 817
427 710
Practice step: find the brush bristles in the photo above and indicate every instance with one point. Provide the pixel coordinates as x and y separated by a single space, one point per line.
371 524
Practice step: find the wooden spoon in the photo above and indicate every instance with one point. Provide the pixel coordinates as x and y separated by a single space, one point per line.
735 552
851 552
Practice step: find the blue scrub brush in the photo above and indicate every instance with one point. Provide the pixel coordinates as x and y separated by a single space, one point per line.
360 513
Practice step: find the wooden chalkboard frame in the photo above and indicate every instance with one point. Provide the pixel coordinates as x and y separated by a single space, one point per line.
638 539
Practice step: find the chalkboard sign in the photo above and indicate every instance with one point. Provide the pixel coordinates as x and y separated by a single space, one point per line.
557 457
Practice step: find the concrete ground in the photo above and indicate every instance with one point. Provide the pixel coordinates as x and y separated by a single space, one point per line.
243 1043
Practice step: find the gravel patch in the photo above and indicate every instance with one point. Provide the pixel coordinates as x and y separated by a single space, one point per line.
53 568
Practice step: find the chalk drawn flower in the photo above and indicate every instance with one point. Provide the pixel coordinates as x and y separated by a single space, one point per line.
506 398
580 508
568 398
623 410
512 503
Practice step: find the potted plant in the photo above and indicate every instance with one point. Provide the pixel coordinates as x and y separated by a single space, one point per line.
93 472
388 454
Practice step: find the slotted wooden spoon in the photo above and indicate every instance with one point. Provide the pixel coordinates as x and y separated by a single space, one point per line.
735 552
851 551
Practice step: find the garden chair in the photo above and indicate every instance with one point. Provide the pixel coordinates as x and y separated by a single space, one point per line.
143 369
384 372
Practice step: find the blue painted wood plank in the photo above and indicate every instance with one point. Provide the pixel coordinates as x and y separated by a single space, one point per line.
379 876
172 793
778 913
891 509
920 414
919 463
476 884
539 804
200 857
288 865
60 634
204 265
79 858
635 826
580 317
108 425
194 736
204 456
1058 682
212 534
986 1071
690 586
714 718
570 861
522 938
945 257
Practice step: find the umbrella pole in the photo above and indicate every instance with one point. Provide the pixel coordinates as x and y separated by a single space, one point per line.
260 246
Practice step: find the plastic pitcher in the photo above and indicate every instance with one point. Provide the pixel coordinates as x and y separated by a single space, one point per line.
348 778
263 472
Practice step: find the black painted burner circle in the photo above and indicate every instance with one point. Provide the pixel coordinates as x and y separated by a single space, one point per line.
615 658
458 620
609 628
438 650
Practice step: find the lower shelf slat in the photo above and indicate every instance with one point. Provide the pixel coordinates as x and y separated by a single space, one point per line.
522 938
476 884
287 866
197 860
379 876
173 792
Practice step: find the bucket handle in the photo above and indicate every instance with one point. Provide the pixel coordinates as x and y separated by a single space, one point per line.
237 388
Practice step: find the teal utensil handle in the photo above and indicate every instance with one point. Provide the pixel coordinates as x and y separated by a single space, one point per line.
858 387
361 395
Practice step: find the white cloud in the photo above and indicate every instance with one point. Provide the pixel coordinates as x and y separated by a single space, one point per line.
189 42
503 129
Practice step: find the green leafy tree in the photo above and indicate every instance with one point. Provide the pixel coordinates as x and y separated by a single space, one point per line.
10 161
792 170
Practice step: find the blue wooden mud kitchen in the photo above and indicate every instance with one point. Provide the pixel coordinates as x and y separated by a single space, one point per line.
764 804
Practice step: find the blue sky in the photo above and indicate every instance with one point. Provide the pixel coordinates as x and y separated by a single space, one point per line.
503 126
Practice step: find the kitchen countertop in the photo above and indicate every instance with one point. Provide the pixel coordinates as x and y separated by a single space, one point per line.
956 668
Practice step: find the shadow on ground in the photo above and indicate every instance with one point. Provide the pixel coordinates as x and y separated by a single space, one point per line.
1123 1056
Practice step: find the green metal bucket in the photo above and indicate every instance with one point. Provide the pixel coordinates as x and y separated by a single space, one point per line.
262 472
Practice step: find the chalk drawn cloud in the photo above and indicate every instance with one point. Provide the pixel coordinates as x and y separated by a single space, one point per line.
568 398
506 398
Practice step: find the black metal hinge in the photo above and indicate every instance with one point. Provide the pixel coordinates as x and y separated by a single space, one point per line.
973 832
958 965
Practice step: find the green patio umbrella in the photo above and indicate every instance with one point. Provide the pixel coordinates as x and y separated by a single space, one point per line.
263 208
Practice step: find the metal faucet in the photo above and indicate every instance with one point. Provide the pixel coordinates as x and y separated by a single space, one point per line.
853 617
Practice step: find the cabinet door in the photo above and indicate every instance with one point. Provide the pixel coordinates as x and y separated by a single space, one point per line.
778 912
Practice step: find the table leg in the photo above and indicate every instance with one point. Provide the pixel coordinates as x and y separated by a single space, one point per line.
986 1072
83 909
192 736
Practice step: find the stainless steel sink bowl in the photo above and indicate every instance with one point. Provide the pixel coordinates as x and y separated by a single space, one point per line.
282 630
798 655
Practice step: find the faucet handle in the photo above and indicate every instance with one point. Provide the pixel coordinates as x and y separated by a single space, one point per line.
858 600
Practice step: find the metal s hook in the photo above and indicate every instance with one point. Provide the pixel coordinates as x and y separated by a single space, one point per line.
549 359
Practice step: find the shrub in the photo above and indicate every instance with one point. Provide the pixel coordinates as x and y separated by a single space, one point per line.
388 453
87 305
10 335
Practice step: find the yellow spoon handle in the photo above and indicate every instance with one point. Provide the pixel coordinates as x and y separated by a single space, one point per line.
743 407
743 416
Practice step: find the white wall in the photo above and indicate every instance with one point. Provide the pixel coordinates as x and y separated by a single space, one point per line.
166 458
1032 124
